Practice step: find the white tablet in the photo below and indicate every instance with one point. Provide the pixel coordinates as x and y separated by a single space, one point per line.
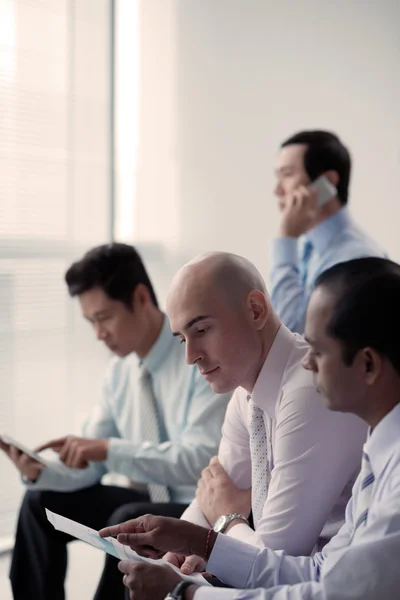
7 439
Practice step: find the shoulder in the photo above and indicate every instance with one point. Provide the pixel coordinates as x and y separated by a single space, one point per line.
351 243
295 376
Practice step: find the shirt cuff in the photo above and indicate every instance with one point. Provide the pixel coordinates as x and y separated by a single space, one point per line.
121 454
231 560
284 250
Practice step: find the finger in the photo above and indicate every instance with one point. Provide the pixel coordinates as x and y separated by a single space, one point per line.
217 470
67 454
55 444
174 559
206 475
137 540
191 564
15 454
126 527
77 458
6 448
125 566
25 461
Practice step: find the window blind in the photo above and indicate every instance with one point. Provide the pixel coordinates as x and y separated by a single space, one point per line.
54 205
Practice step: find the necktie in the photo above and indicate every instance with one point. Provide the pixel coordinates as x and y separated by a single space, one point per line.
364 495
304 262
150 426
259 460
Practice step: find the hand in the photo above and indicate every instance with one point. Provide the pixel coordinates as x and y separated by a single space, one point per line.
300 213
76 452
153 536
146 581
217 494
188 565
27 466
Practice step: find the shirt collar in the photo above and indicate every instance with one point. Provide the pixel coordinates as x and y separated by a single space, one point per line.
321 236
383 441
161 346
269 382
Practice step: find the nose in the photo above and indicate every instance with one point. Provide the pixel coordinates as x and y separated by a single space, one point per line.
309 362
278 191
100 332
193 354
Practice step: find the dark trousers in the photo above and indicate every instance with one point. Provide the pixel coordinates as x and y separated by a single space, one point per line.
39 560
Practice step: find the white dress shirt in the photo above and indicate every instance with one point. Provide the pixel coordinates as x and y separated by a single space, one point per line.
190 419
363 568
314 454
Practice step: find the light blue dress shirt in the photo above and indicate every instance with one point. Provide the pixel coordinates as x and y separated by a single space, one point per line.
364 568
294 268
191 417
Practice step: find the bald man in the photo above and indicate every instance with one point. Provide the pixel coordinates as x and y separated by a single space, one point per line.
283 455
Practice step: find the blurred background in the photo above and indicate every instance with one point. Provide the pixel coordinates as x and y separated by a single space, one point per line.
157 123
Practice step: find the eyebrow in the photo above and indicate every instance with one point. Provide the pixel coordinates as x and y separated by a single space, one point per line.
284 168
191 323
97 314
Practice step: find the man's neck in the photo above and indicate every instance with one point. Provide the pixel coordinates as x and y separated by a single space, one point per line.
156 322
268 337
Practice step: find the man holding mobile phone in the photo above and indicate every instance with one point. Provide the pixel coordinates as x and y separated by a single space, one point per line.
316 230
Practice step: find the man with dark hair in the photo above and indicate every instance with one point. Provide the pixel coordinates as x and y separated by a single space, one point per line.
353 328
312 236
158 424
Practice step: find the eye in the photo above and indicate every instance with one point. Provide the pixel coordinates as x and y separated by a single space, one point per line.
202 331
182 341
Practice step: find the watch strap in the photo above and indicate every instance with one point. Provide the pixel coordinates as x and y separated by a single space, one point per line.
232 517
179 590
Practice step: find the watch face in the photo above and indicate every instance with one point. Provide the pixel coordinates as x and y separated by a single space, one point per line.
219 524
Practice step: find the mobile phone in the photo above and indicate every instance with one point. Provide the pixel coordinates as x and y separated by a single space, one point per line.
7 439
325 189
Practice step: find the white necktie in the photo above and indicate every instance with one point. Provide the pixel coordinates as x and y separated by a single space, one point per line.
364 495
150 426
259 460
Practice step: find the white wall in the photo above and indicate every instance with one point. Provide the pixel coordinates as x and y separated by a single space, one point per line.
225 81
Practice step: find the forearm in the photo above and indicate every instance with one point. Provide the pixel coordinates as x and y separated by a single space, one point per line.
249 566
67 480
169 463
193 514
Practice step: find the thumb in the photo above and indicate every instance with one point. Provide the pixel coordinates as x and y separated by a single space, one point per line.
191 564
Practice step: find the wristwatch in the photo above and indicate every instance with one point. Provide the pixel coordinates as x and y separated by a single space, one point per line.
222 522
178 593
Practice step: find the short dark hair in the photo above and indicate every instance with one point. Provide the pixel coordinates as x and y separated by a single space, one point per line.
367 308
115 268
325 152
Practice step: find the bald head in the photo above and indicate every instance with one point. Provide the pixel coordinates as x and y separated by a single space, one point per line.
218 305
231 274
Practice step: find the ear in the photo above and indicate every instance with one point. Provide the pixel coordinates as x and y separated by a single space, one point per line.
258 308
141 296
333 177
371 363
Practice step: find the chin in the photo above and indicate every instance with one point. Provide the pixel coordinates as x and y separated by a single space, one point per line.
222 387
333 405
